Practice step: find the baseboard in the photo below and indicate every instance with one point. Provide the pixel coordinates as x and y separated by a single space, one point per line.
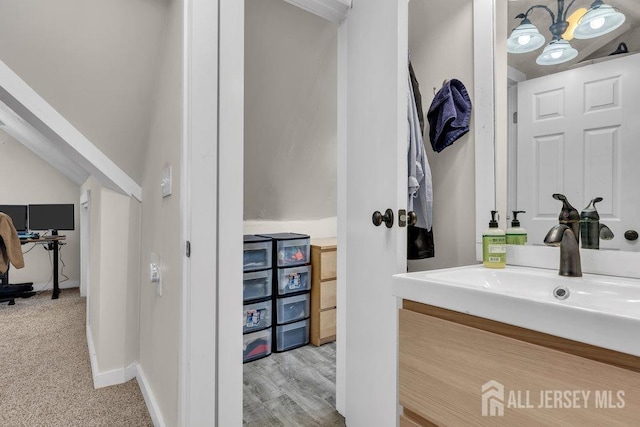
112 377
67 284
149 398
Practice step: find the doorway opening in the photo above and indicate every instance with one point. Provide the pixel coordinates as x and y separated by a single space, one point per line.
290 185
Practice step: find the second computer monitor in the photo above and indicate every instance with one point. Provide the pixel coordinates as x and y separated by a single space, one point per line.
51 217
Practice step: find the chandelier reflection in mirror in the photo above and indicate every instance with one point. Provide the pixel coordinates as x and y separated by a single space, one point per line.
598 20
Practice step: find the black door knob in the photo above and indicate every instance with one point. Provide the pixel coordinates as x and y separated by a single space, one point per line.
631 235
412 218
377 218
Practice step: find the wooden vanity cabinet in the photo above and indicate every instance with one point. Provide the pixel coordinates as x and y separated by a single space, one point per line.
323 291
446 358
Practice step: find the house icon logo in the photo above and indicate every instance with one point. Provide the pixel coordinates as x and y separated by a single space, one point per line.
492 399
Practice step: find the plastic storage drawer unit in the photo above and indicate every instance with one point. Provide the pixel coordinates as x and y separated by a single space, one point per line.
292 335
257 253
294 279
292 309
256 345
256 316
257 285
290 249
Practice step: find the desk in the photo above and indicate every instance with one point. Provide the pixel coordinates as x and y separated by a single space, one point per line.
53 244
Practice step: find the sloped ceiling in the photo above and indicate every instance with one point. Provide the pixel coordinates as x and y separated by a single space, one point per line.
93 61
290 113
589 49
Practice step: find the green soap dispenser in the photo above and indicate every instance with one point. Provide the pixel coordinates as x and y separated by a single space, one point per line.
494 247
516 235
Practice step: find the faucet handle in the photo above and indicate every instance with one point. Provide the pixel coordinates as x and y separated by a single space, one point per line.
605 232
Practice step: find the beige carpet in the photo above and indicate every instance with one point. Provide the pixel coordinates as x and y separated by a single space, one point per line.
45 373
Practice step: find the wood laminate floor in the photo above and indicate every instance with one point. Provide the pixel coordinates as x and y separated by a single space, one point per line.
296 388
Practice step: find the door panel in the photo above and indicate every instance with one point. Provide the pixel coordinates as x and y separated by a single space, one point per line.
375 172
576 136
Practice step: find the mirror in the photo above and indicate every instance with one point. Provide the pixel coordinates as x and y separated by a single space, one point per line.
617 263
570 128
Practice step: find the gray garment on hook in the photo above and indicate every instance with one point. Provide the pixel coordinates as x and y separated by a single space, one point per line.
420 187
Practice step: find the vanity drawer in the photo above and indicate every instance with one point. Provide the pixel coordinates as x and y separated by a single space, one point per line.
445 366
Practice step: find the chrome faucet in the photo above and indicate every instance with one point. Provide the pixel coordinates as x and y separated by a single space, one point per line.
562 235
566 235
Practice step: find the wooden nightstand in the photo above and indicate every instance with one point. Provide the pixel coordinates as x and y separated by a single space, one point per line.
323 290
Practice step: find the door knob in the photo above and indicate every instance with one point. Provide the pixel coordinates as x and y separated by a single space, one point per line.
405 218
412 218
377 218
631 235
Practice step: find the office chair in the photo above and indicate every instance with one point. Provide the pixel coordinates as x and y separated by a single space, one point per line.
8 292
11 254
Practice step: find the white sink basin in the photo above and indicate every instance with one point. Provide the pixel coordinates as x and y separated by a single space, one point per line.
599 310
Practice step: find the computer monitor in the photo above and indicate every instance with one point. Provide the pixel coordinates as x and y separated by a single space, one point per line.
51 217
18 214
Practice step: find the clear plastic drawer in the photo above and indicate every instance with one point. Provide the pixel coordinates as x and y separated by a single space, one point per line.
257 255
292 335
292 309
293 252
256 316
257 285
256 345
294 279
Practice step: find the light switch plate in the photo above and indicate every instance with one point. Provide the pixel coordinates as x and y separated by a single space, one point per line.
166 183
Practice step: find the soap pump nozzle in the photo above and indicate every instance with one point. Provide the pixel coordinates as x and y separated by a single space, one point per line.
515 222
569 215
591 231
494 222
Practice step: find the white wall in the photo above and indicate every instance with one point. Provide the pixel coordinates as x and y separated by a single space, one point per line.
441 46
290 113
319 228
113 282
95 62
27 179
160 315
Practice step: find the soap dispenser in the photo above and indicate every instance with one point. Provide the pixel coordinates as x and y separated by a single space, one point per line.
591 231
494 248
569 215
516 235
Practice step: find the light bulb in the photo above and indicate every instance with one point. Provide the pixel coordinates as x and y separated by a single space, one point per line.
524 39
597 23
556 54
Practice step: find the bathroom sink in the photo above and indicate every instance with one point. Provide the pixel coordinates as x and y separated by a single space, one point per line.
594 309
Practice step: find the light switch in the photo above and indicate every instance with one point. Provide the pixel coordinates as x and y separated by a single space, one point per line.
154 269
165 185
154 272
